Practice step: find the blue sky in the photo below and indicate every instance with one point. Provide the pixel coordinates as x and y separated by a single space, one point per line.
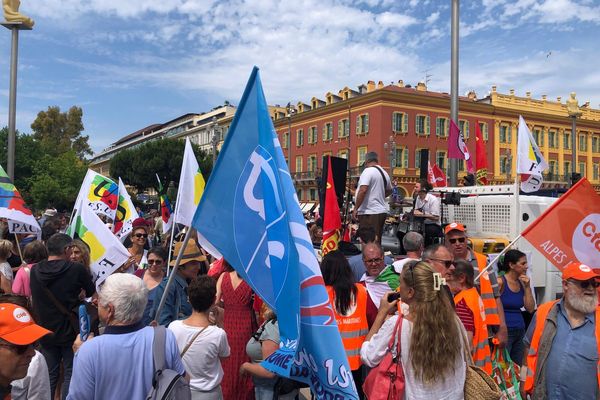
131 63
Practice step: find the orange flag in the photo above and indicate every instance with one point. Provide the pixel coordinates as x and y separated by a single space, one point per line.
569 230
332 222
480 157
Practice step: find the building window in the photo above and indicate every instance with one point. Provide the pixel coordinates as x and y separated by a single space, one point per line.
418 158
503 164
422 125
343 154
440 159
552 167
311 163
567 140
401 157
312 135
567 167
312 194
483 128
362 124
361 153
582 143
298 163
327 132
461 165
400 122
582 168
596 144
343 128
505 133
285 139
596 175
464 128
300 137
538 136
441 127
552 142
299 194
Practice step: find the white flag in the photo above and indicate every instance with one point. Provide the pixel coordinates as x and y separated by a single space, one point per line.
530 161
191 187
107 253
125 214
100 193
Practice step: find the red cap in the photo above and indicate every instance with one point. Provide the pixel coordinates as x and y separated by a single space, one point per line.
455 226
140 223
17 326
578 271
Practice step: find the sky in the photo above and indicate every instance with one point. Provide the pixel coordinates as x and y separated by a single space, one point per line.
132 63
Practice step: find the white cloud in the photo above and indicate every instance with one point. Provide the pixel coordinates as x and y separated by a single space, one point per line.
433 17
557 11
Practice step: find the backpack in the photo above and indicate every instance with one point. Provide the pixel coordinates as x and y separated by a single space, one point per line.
166 383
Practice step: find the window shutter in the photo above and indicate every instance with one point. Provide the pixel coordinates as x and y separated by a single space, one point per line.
405 157
417 124
509 134
437 127
427 127
340 127
358 124
404 122
366 122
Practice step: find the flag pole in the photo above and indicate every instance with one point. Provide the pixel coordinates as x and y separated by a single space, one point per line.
172 235
163 299
497 257
19 247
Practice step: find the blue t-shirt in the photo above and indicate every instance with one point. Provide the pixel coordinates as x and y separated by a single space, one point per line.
573 358
119 364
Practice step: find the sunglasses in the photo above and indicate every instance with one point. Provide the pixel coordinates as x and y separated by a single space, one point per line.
374 261
20 349
447 263
459 240
151 262
140 235
585 284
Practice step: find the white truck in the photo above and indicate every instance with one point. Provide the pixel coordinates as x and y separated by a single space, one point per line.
498 212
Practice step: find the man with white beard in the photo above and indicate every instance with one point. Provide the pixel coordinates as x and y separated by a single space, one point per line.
563 341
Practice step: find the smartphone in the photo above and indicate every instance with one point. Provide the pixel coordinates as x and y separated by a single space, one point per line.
84 323
393 296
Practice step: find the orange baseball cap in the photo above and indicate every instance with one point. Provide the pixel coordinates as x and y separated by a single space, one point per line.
17 325
455 226
578 271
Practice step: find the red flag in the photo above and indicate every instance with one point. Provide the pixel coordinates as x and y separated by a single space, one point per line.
332 222
436 176
569 230
480 157
457 147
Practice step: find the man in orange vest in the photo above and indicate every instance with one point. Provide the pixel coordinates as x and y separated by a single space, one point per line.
463 288
562 342
456 241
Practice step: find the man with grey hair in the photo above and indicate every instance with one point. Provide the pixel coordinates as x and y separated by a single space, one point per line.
373 187
119 364
413 243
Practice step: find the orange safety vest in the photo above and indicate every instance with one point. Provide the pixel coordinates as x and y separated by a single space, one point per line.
482 357
353 328
540 323
487 293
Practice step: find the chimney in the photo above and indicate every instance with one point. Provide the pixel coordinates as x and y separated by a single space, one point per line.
472 95
494 87
421 87
558 99
528 95
380 85
512 92
400 83
544 97
370 86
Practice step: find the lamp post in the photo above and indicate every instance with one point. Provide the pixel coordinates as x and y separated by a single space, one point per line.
391 146
290 110
214 141
574 112
508 166
453 164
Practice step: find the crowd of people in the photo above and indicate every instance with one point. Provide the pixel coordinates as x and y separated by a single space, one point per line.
434 302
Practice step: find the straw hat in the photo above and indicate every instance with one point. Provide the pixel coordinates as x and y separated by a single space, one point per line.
190 253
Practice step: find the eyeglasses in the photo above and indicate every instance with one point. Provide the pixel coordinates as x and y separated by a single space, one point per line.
459 240
151 262
374 261
585 284
140 235
18 348
447 263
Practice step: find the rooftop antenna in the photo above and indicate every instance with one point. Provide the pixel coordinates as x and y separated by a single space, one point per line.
427 76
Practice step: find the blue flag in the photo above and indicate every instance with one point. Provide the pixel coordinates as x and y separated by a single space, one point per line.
250 213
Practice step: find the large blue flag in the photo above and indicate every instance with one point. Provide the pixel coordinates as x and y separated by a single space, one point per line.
250 213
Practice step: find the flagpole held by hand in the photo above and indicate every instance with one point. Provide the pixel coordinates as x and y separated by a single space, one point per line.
163 299
487 268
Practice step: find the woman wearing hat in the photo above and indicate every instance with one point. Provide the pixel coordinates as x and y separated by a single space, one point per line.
138 254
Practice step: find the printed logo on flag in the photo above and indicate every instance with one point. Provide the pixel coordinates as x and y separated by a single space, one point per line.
586 239
10 197
103 196
198 186
82 233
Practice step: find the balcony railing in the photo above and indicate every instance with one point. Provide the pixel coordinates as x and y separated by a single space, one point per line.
551 177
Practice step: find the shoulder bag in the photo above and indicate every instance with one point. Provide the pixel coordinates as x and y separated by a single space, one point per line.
478 384
386 381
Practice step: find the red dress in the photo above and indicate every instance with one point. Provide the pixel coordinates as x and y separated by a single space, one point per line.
239 325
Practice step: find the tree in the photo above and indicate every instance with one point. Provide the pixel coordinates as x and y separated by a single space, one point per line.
59 132
138 167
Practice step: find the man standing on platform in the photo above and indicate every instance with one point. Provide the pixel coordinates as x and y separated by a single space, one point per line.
374 186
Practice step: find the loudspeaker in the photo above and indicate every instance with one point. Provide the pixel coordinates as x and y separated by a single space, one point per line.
340 169
423 168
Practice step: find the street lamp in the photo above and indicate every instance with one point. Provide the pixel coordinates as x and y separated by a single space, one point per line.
391 146
508 166
214 141
574 112
290 110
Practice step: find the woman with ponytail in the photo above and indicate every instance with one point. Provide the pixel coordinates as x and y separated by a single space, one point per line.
431 336
349 302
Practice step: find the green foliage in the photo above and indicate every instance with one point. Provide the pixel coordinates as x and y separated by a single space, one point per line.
138 167
59 132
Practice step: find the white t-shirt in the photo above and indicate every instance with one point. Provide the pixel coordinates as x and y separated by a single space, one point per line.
399 265
451 388
202 359
374 201
6 270
36 385
431 205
